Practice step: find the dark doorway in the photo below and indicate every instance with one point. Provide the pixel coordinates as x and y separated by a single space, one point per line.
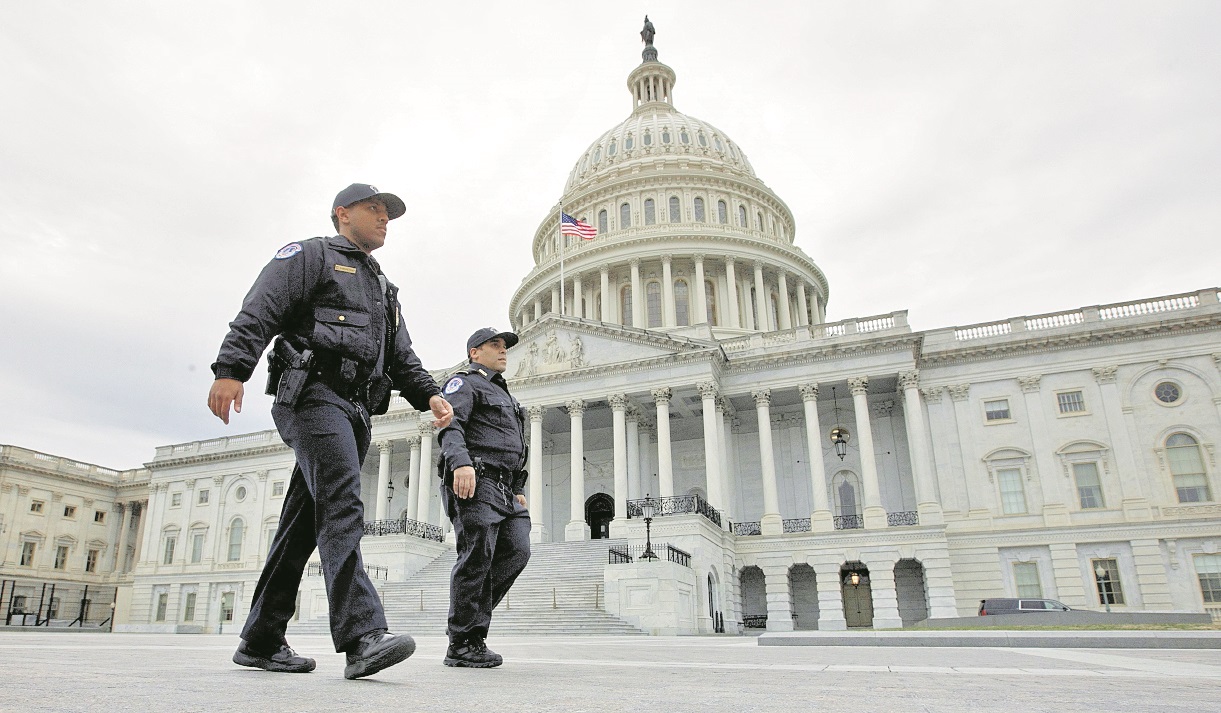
599 511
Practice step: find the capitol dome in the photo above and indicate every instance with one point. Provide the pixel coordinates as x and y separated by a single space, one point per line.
687 238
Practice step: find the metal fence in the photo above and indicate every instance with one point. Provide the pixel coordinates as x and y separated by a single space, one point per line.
375 571
26 602
626 554
405 526
676 505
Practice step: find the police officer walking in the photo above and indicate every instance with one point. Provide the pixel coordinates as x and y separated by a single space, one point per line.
339 348
483 452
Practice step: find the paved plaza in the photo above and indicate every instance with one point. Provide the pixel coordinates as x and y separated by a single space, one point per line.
53 671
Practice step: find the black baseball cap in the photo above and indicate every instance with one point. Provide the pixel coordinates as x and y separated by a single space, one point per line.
363 191
487 334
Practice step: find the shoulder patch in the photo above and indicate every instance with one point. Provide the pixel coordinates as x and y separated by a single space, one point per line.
454 384
288 251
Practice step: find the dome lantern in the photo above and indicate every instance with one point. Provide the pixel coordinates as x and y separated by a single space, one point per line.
652 82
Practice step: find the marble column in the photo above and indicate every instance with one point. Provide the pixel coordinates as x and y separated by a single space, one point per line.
665 465
760 299
884 593
731 299
647 436
786 319
728 486
120 558
423 506
555 300
1135 504
821 519
712 449
668 318
803 309
637 296
771 523
1055 497
927 504
779 598
618 404
605 316
385 450
577 528
830 593
578 302
537 530
413 477
538 308
633 454
701 293
875 514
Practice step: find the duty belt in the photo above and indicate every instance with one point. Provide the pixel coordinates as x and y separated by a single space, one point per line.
356 391
501 476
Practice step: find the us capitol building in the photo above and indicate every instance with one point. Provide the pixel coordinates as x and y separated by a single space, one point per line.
798 473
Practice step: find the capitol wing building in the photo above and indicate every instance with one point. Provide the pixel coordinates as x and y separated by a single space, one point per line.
688 399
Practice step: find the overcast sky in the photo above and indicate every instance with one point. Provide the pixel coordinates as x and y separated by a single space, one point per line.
965 161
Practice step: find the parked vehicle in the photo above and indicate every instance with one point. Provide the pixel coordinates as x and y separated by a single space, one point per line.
1019 606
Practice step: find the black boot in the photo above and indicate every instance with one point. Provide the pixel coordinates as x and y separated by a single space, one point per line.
282 659
375 651
471 652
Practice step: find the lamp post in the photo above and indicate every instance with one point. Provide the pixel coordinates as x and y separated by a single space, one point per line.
648 508
1104 582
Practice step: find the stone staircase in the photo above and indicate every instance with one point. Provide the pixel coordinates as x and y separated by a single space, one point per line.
560 592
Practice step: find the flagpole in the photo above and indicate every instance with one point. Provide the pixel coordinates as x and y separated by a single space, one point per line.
560 218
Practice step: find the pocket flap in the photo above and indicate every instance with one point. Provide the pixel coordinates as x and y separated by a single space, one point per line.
337 315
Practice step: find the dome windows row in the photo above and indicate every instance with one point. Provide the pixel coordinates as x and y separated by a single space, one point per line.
666 138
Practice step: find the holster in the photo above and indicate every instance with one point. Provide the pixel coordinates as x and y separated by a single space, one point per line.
379 394
290 384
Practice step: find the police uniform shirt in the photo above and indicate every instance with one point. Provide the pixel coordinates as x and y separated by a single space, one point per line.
325 294
488 423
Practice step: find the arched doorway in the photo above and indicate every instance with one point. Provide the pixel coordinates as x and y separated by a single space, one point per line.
912 591
599 511
858 597
714 604
803 587
754 598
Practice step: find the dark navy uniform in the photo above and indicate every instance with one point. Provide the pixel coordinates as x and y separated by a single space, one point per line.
492 528
327 296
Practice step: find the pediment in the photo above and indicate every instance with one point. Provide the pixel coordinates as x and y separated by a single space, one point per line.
556 345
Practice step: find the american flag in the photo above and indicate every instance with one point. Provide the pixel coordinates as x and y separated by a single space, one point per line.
571 226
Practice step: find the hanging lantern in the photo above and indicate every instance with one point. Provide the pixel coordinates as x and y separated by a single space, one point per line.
839 434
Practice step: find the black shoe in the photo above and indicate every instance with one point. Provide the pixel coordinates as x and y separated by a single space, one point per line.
472 653
377 650
283 660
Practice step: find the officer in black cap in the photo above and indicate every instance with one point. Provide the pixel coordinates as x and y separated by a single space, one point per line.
339 348
483 455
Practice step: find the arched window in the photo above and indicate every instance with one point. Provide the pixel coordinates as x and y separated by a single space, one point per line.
625 305
1187 469
710 302
653 303
602 221
613 148
758 221
699 209
675 212
722 212
742 216
625 216
844 489
703 140
237 531
648 138
716 141
650 211
682 303
628 143
684 137
597 154
665 135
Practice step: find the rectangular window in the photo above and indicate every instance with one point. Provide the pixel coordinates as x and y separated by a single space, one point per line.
19 604
277 489
69 511
27 553
175 500
1013 497
203 497
997 410
91 560
1208 569
99 516
1026 577
53 608
1071 402
169 550
188 607
163 599
61 557
226 606
36 506
1089 489
1106 580
197 544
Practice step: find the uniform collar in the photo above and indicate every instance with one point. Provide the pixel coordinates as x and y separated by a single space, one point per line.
489 374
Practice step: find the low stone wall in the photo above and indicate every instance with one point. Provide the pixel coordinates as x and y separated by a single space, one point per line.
1068 618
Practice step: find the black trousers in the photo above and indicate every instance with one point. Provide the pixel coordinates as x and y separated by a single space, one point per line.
322 509
493 537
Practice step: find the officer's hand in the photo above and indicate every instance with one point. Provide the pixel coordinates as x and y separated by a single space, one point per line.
225 392
442 412
521 499
464 481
